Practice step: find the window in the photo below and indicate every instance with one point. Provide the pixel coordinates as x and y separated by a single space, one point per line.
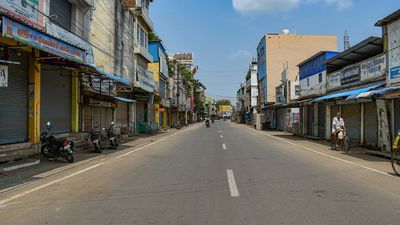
308 82
141 37
320 77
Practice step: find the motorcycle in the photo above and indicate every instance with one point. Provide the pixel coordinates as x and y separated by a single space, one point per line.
111 137
56 148
94 138
207 123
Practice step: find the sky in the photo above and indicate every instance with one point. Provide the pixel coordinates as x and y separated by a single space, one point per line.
224 34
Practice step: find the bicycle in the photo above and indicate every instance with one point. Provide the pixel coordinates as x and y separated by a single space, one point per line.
395 156
342 140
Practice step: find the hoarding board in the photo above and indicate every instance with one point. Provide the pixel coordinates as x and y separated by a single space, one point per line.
3 76
373 68
28 11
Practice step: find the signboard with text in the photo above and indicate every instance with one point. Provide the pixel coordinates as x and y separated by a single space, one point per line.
394 52
28 11
36 39
334 80
373 68
350 74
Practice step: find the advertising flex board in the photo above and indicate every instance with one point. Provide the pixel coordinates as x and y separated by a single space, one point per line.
373 68
27 11
36 39
394 52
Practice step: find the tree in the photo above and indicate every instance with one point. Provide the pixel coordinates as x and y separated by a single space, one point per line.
223 102
153 37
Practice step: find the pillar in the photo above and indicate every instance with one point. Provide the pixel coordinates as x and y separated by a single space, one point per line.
315 122
34 99
165 115
362 127
328 124
75 97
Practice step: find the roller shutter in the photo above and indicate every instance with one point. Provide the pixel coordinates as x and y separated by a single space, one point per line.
310 120
56 99
122 117
321 119
371 124
14 102
352 118
280 119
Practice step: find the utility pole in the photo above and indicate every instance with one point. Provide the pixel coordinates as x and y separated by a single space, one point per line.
177 94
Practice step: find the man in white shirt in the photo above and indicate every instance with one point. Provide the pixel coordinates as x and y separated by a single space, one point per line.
337 126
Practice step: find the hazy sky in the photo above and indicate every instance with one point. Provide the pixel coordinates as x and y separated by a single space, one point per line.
223 34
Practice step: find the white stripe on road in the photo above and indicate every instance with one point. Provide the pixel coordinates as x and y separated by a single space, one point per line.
232 184
224 146
47 184
219 131
221 136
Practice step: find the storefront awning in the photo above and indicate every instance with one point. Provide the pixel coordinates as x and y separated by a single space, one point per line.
346 93
369 94
125 100
113 77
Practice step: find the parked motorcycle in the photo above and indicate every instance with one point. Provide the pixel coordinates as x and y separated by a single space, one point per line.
94 138
56 148
111 136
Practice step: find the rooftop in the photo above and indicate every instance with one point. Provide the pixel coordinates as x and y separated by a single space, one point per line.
367 48
388 19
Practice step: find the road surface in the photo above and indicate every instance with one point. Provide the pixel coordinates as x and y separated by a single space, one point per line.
225 174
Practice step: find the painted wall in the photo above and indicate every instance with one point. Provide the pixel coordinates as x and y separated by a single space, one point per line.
291 49
312 85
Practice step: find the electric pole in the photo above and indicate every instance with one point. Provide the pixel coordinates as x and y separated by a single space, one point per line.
177 94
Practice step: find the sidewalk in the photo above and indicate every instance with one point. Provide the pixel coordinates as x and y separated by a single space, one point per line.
46 168
357 156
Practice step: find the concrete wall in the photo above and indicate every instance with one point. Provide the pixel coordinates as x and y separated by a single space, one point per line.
315 87
292 49
103 35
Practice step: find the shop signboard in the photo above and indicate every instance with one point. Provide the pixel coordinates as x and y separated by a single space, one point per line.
103 86
28 11
334 80
64 35
373 68
394 52
3 76
35 39
350 74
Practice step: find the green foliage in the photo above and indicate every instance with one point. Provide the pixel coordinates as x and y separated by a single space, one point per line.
171 69
153 37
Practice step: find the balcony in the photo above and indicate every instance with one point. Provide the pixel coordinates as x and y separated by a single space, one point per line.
138 49
139 10
144 79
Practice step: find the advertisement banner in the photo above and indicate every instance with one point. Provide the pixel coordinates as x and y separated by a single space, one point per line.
373 68
27 11
350 75
3 76
35 39
394 52
334 80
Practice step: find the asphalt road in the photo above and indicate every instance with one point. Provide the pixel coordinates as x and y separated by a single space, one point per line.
218 175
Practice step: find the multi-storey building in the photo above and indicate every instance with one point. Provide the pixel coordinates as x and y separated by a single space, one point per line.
275 50
251 101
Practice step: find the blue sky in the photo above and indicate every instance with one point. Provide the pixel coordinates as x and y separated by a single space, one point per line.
223 34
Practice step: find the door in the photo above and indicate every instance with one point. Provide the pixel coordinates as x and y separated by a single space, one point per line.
14 102
55 104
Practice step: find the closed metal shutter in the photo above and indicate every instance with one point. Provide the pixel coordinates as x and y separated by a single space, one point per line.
87 118
122 117
310 120
371 124
55 104
321 119
352 118
280 117
14 102
62 10
160 119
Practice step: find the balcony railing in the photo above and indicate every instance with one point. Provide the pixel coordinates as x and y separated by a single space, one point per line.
156 86
138 49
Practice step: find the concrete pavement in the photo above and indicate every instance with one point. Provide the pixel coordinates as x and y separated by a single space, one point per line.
225 174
